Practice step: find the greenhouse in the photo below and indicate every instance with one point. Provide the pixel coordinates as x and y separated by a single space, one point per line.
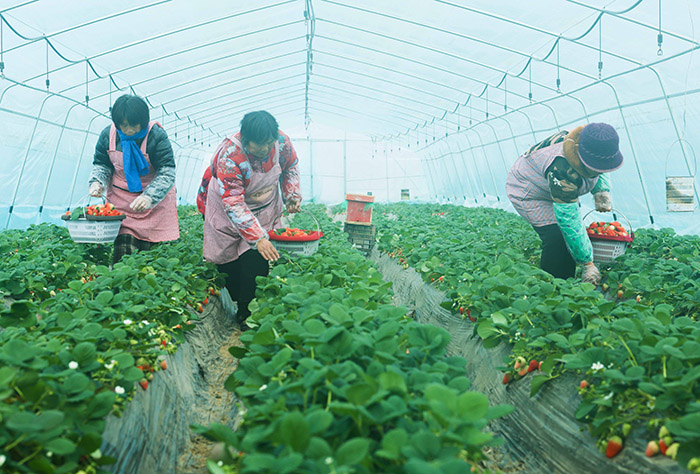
349 236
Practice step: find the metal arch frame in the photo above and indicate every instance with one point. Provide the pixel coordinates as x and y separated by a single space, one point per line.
343 92
55 156
475 191
189 66
412 88
237 112
223 84
207 112
224 71
152 38
242 104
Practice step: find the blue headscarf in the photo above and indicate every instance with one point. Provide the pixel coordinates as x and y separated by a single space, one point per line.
135 164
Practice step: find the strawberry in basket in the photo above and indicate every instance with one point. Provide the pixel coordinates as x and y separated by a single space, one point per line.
613 229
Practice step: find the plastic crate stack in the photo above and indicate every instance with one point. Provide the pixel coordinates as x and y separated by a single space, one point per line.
361 236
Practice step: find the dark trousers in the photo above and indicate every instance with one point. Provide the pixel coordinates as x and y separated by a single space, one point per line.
556 259
240 279
126 244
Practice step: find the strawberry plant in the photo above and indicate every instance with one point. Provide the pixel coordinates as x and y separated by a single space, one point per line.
635 339
337 378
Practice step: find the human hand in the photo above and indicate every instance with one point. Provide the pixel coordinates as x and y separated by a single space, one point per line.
591 274
603 201
293 206
96 189
267 250
141 203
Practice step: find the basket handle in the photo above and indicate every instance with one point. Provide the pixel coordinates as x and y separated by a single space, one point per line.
695 160
613 211
318 227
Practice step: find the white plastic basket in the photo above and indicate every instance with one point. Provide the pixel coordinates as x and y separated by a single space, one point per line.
83 231
93 229
605 249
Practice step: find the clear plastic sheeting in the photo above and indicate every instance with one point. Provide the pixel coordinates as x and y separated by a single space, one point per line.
542 433
437 97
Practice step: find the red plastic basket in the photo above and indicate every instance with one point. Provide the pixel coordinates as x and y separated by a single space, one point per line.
607 248
305 245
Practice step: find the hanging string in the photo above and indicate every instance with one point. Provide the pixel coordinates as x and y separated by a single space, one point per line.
505 93
87 95
2 50
660 36
110 92
529 81
459 116
600 47
47 63
558 78
487 101
470 109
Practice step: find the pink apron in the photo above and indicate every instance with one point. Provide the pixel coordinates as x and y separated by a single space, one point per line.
222 242
157 224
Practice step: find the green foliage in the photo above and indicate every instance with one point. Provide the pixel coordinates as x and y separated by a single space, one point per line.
75 336
336 379
640 352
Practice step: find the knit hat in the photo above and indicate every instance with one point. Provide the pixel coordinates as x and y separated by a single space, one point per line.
598 147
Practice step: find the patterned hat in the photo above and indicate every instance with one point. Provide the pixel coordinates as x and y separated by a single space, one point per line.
598 147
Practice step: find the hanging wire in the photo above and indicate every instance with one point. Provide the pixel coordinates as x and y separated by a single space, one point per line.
470 108
529 81
459 116
110 93
87 95
660 36
505 93
47 64
487 101
558 78
2 51
600 48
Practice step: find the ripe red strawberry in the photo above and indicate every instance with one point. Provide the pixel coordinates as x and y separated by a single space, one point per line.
619 293
206 300
583 384
539 366
200 308
507 378
614 446
652 448
663 446
144 384
534 365
163 365
212 291
461 310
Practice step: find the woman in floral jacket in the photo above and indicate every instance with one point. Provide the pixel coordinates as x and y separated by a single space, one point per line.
251 175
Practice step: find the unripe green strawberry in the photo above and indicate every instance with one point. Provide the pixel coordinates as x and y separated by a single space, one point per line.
672 451
626 428
694 465
663 432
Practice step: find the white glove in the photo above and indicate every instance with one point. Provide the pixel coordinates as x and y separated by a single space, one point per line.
603 201
141 203
590 273
96 189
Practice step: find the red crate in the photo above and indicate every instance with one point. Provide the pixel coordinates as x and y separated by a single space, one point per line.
359 209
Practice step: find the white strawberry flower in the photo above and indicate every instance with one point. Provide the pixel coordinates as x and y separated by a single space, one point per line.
119 390
597 366
329 460
2 459
220 463
145 322
49 454
111 364
127 322
608 396
72 365
263 387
